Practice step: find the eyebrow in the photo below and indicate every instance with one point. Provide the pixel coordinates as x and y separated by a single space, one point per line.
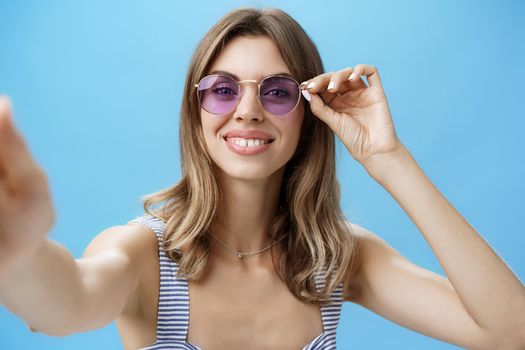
237 78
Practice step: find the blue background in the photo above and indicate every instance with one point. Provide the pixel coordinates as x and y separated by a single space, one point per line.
96 88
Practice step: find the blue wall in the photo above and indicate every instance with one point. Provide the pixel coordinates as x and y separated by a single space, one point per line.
96 88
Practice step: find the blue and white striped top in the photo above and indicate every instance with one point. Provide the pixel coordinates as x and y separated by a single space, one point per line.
173 308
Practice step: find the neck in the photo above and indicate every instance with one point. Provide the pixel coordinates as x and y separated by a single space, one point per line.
245 214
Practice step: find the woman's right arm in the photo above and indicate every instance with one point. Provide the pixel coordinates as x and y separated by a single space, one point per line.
40 281
58 295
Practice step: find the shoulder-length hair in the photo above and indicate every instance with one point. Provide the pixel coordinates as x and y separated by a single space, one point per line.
316 239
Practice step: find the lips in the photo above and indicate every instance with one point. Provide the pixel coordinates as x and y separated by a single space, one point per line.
246 142
247 147
249 134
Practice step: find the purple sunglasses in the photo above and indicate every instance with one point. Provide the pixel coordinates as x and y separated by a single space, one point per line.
219 94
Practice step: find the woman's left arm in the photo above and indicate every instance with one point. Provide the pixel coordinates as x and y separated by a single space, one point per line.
358 113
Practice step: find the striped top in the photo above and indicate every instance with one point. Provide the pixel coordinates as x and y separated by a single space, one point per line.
173 309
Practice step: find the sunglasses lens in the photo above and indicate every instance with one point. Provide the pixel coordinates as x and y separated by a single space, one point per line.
279 95
218 94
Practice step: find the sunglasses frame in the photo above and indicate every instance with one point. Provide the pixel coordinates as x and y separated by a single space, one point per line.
259 83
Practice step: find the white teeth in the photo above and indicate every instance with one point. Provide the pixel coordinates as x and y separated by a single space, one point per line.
246 142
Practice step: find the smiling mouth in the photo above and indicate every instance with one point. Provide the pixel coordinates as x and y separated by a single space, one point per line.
242 142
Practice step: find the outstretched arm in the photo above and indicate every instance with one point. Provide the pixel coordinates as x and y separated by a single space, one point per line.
40 281
486 289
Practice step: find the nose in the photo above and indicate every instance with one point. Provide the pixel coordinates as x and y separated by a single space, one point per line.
248 107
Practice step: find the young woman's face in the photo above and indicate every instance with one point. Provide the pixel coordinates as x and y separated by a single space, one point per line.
251 58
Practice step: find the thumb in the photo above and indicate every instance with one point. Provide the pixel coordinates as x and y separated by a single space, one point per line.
7 128
322 111
5 108
15 157
6 123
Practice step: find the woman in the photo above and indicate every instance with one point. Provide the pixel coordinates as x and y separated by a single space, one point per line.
252 239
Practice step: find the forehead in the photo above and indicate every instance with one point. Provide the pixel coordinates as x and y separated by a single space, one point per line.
250 58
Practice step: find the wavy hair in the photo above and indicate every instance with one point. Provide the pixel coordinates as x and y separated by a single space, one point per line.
315 237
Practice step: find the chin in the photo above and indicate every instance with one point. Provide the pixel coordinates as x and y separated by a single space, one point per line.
248 174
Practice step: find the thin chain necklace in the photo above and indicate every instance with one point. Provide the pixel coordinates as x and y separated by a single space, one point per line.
239 254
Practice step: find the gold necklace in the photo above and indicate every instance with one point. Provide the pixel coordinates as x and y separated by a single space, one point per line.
239 254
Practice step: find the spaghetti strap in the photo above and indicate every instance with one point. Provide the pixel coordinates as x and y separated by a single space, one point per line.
173 308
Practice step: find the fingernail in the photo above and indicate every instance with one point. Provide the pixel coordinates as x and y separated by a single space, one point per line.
306 95
331 85
352 76
303 83
311 85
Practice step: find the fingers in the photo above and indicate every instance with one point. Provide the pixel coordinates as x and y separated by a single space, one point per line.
322 89
317 84
343 80
5 116
327 85
6 133
5 109
16 162
340 82
370 72
323 111
330 117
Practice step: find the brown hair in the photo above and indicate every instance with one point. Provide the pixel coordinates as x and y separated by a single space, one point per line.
315 236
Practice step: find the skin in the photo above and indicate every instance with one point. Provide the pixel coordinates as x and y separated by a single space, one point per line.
250 184
480 304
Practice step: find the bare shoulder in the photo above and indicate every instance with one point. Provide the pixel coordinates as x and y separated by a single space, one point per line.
133 246
133 240
370 246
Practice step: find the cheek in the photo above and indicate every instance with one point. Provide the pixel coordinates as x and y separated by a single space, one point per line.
294 123
210 125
